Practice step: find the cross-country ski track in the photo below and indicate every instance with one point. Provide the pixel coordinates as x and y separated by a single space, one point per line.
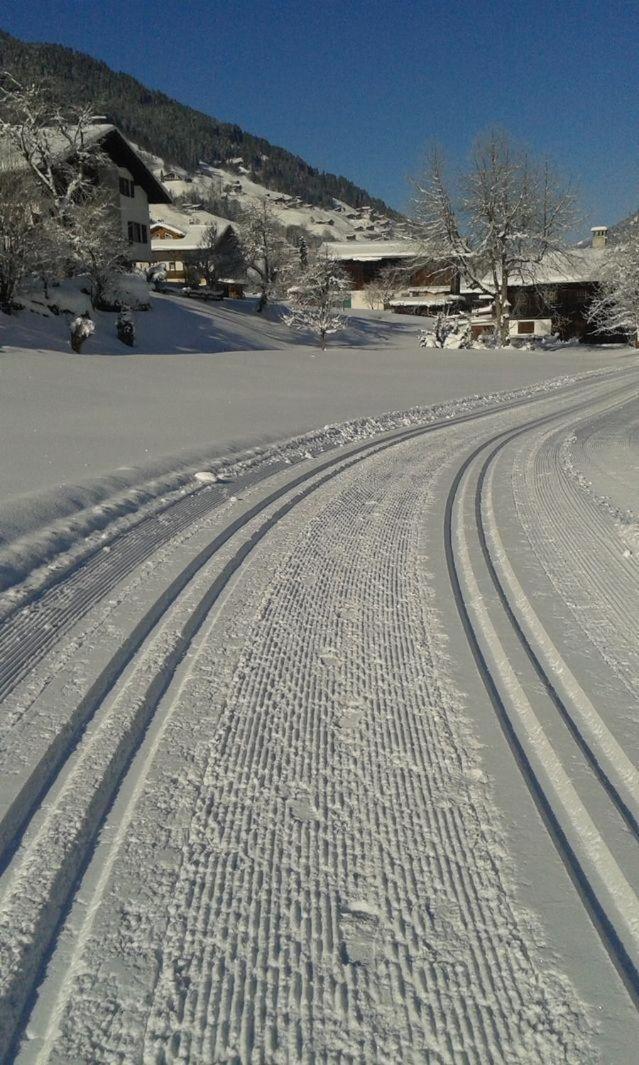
254 758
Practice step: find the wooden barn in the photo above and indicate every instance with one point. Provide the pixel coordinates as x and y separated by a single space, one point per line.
559 290
418 288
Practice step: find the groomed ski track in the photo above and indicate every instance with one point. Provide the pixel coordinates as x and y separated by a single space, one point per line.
260 831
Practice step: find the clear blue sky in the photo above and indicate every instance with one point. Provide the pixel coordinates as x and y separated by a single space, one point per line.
361 87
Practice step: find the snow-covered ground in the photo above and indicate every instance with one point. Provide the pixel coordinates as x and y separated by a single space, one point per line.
339 222
203 381
327 753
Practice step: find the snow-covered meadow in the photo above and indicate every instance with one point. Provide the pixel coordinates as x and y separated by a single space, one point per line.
258 802
204 380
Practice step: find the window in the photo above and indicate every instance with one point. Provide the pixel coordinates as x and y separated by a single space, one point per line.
172 268
127 187
525 327
137 233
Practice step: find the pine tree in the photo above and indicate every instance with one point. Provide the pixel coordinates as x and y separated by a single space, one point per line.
303 249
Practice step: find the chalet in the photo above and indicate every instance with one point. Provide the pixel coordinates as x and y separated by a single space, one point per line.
125 175
177 241
421 288
554 296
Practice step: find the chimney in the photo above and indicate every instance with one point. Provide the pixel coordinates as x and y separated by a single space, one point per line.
599 236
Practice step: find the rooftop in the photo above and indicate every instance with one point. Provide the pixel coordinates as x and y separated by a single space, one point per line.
369 250
110 139
575 266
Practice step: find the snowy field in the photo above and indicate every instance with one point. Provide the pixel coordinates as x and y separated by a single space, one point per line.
206 380
322 750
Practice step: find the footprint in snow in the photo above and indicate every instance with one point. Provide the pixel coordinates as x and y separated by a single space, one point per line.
360 926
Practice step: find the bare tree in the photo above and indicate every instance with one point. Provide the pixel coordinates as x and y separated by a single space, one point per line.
219 254
615 308
51 142
204 259
316 300
264 248
509 215
25 244
383 287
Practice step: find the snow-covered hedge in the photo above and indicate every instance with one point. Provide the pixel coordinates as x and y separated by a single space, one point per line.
127 291
72 296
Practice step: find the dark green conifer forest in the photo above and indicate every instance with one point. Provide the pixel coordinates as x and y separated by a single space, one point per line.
179 134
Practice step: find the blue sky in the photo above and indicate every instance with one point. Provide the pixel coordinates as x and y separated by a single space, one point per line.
362 87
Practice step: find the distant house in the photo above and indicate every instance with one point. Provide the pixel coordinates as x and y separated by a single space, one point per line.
554 296
177 247
125 176
422 288
164 231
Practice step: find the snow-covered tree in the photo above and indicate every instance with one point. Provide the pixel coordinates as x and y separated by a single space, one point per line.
52 143
264 249
382 289
316 300
81 329
95 244
615 308
25 243
505 215
76 221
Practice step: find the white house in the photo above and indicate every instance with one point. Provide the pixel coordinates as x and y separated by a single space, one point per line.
126 176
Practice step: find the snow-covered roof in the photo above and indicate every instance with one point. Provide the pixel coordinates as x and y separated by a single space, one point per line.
369 250
424 301
193 239
193 224
575 266
111 140
167 225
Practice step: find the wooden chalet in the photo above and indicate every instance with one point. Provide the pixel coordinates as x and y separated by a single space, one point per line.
422 288
556 296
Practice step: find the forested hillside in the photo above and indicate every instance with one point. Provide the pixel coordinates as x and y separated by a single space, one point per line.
628 227
177 133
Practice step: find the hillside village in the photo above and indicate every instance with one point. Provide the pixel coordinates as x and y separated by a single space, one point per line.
183 226
166 220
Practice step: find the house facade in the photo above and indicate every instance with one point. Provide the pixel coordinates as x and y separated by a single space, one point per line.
417 288
133 187
554 296
120 171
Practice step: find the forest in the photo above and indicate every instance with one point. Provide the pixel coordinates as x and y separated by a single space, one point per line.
179 134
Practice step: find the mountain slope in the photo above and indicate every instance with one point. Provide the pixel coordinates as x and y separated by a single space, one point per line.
626 228
177 133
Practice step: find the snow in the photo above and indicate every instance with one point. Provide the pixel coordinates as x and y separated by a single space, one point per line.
575 266
205 380
269 810
371 251
327 224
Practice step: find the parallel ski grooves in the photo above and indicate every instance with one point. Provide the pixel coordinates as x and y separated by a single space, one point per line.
613 944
